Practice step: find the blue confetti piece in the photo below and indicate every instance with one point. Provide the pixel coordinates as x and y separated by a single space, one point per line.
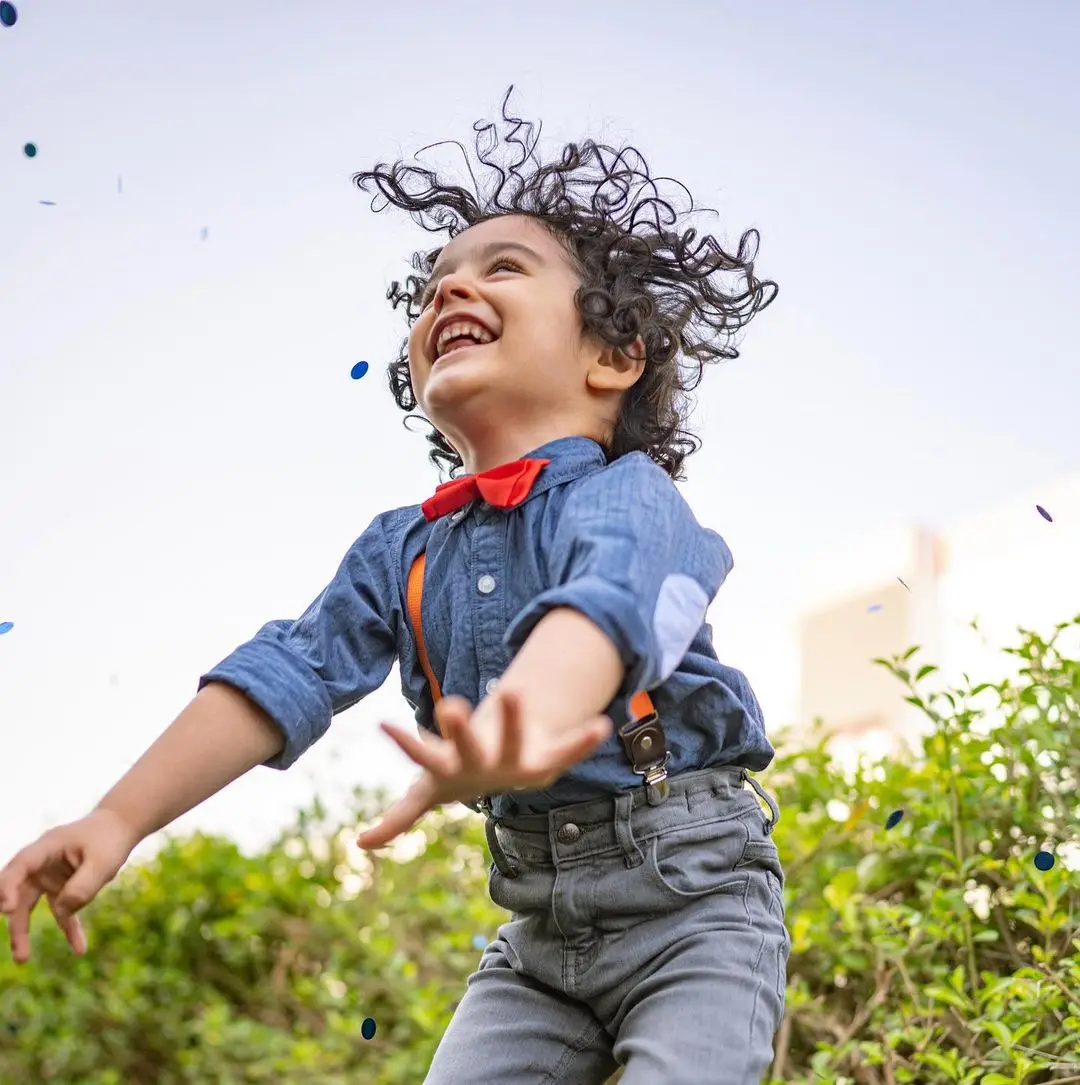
205 231
894 818
119 186
47 203
8 15
874 607
479 942
29 149
359 370
1044 860
6 627
1043 513
367 1029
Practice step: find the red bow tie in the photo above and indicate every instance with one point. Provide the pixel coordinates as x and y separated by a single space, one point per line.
505 487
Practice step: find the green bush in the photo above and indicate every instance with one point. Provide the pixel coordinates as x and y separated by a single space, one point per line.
210 967
936 951
931 952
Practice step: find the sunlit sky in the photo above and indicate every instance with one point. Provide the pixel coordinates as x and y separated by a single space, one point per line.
186 455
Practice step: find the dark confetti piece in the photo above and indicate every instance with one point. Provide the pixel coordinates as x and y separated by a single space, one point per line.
47 203
894 818
359 370
1044 860
367 1029
8 15
29 149
898 578
6 627
1043 513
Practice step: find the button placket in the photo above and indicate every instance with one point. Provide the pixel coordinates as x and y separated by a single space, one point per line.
487 560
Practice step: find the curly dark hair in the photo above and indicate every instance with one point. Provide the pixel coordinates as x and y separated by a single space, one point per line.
639 276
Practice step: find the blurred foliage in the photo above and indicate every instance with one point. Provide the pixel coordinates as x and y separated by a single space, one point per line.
936 951
927 953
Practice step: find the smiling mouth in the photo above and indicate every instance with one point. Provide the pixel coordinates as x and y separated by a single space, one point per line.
458 349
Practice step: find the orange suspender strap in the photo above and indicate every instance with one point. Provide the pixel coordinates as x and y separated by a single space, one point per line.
642 737
413 596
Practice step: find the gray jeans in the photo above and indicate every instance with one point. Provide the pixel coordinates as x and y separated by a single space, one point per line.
644 934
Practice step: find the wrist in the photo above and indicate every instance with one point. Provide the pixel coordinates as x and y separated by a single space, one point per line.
128 827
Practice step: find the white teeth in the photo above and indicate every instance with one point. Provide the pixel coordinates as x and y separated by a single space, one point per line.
462 327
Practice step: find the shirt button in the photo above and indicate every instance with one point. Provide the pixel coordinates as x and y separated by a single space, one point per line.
486 584
491 684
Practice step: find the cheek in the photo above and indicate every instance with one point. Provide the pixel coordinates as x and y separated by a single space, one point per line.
417 364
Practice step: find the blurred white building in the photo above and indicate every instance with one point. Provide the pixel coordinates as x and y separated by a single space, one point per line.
1006 567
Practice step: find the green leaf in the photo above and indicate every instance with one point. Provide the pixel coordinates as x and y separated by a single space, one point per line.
947 995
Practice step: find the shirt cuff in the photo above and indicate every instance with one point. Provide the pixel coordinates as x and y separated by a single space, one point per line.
610 608
272 678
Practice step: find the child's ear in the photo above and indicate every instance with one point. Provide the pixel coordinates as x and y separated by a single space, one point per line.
636 350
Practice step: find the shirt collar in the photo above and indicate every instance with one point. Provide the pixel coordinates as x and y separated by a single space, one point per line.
571 457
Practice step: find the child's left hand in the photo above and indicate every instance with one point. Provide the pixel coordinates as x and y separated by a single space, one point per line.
489 756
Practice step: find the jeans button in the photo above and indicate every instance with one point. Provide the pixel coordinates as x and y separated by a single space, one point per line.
568 833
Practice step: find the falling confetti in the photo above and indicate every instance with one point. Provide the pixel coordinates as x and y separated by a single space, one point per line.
6 627
898 578
367 1029
359 370
119 186
205 231
1044 860
47 203
1043 513
29 150
874 607
894 818
8 14
479 942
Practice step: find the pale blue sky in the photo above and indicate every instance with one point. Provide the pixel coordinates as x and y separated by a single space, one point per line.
186 455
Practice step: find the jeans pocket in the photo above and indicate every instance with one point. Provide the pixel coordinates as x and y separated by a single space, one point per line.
698 860
761 859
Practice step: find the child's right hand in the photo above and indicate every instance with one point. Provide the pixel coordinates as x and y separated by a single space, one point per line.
68 865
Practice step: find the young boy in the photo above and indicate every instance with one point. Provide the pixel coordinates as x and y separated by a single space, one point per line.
565 586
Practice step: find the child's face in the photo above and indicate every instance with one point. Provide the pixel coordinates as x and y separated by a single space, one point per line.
540 378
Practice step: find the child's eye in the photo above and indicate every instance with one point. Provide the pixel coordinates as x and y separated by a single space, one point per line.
428 295
503 262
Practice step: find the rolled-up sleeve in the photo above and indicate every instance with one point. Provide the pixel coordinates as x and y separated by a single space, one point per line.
301 673
628 553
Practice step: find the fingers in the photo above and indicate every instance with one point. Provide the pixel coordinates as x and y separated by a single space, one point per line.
19 927
513 732
77 891
449 709
424 752
19 894
15 875
401 817
71 927
580 746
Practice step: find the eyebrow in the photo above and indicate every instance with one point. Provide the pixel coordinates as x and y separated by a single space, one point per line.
483 252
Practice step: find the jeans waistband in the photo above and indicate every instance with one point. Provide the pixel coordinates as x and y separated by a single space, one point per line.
607 821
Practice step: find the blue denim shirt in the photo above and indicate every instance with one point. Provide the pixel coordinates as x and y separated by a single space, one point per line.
617 542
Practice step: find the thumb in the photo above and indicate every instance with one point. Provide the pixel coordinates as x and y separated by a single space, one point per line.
79 890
